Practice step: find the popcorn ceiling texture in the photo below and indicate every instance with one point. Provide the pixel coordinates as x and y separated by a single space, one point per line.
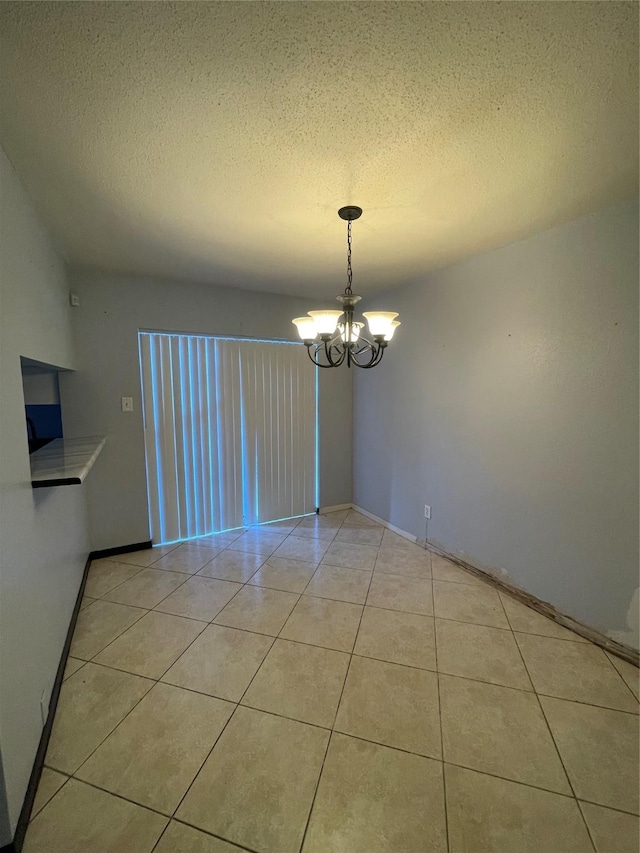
216 141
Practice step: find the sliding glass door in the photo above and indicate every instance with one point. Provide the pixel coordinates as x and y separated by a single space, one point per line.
230 433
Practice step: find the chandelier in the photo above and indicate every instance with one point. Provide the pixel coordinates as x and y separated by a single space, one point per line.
334 337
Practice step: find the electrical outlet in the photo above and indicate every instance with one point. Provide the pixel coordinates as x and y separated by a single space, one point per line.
427 511
127 404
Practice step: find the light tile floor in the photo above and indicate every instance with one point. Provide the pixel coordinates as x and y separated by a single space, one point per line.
323 685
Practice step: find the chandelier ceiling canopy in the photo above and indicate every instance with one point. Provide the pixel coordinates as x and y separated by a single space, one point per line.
333 337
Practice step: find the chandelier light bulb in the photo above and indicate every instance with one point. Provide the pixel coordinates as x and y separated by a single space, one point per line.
394 326
306 327
355 331
380 322
326 321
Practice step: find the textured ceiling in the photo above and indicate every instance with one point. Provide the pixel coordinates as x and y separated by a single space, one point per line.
216 141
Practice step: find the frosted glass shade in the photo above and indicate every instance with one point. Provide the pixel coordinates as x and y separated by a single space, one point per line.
306 327
380 322
326 321
394 326
355 332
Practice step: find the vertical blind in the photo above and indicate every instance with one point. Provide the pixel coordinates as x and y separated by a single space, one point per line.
230 433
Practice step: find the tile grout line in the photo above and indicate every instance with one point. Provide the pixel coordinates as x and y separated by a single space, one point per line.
544 717
209 834
364 740
137 675
111 794
32 817
588 828
354 654
512 780
231 716
607 808
444 779
109 733
204 761
335 716
619 675
224 699
195 618
146 613
143 613
315 790
237 592
466 767
161 836
618 710
100 597
187 578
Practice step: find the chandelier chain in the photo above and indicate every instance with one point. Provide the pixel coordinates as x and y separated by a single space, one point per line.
349 269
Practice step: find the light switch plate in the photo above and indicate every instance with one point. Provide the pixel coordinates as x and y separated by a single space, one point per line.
127 404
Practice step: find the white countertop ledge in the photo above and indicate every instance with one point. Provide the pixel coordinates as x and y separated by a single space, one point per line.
64 461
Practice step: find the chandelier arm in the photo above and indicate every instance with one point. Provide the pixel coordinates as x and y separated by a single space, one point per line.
328 366
328 346
369 363
318 348
369 347
364 343
373 363
341 350
376 355
315 353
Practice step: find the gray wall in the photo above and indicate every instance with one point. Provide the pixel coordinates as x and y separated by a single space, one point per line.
106 325
508 401
40 386
43 540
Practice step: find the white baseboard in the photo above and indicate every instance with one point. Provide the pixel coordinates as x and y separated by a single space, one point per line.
375 518
386 524
336 508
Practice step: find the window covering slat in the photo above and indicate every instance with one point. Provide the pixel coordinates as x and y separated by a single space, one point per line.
230 433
